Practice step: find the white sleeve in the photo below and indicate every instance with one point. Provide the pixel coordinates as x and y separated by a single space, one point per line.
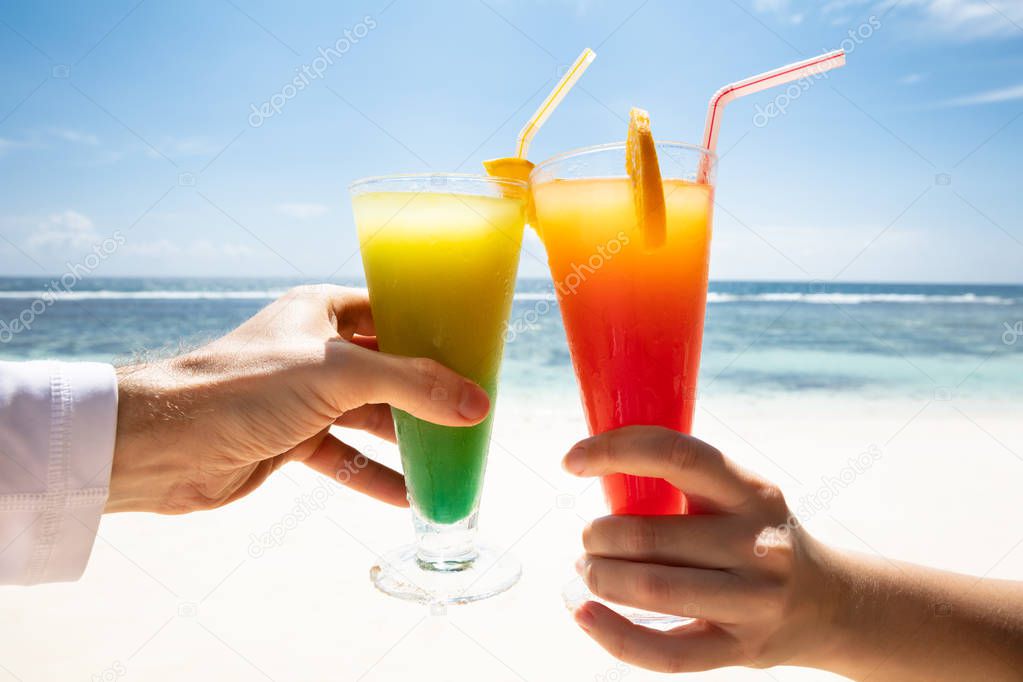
57 426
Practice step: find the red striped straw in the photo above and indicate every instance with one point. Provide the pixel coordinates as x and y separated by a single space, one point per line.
786 74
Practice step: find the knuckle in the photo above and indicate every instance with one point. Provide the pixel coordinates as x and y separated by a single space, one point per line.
367 476
428 369
592 534
681 455
641 537
589 577
379 420
771 498
653 587
607 447
774 544
431 376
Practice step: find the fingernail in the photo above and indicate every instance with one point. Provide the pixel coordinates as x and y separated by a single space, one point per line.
580 565
584 618
574 461
474 402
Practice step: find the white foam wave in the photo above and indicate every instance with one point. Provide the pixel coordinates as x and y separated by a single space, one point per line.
140 295
824 298
857 299
712 297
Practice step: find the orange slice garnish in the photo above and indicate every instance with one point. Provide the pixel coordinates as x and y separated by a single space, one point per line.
509 167
517 169
645 173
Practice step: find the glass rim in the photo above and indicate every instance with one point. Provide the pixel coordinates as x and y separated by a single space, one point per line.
412 177
608 146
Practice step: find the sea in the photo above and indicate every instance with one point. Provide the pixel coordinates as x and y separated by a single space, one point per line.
871 340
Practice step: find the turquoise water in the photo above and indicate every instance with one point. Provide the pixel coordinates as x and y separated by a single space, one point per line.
888 340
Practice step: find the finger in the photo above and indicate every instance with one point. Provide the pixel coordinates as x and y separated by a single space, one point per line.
690 648
351 311
347 308
348 466
375 419
697 541
688 463
419 386
692 592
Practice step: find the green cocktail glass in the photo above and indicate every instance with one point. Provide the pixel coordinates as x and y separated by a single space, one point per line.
440 254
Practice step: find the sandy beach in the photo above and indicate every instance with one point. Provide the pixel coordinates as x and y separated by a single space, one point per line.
276 587
832 258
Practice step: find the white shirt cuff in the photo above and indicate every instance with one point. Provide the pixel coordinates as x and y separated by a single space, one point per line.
57 426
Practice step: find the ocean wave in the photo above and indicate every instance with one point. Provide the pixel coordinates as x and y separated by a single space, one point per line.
111 295
834 298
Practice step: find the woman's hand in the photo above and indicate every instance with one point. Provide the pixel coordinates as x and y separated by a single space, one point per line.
752 578
763 592
208 427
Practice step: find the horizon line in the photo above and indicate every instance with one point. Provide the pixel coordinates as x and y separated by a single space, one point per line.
346 279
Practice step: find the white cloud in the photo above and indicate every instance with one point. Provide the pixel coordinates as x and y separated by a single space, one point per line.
104 156
911 78
202 249
236 251
75 136
782 8
301 211
1013 92
207 249
770 5
7 144
842 5
194 145
971 19
157 249
68 229
954 19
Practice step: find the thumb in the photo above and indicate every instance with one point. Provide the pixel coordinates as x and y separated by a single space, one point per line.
422 387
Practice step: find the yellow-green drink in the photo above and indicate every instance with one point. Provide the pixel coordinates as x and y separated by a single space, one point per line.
440 255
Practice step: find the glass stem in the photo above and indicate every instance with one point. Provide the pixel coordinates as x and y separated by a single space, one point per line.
445 547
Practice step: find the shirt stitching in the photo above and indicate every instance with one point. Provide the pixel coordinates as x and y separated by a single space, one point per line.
37 501
55 498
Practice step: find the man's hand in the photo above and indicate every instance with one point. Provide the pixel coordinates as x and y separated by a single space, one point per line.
208 427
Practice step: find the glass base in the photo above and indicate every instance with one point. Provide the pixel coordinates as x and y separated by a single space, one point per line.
576 594
402 573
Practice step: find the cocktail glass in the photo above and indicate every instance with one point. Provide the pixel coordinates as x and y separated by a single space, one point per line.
633 314
440 253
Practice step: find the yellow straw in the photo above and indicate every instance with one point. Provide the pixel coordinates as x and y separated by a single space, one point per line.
552 101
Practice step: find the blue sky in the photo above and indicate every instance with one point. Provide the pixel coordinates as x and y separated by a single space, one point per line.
137 118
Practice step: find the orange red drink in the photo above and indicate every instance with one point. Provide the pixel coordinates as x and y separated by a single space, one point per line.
633 308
